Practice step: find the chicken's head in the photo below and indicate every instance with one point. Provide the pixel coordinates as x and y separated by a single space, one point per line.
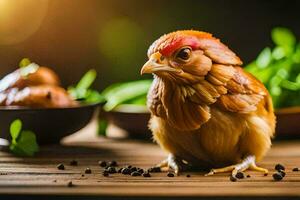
187 56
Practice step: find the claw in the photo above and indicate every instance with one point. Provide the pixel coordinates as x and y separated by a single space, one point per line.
247 163
212 172
174 163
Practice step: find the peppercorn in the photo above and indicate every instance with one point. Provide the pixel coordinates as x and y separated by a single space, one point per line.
279 167
240 175
111 170
296 169
248 176
154 169
126 171
113 163
60 166
188 175
170 174
146 174
135 173
102 163
73 162
277 176
133 169
120 170
70 184
282 173
88 170
232 179
105 173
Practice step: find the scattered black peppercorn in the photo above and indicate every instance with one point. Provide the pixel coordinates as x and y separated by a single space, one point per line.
88 170
129 166
135 173
113 163
60 166
282 173
232 179
296 169
140 171
111 170
279 167
54 181
188 175
154 169
105 173
265 174
240 175
277 176
126 171
120 170
170 174
70 184
102 163
248 176
133 169
146 174
82 175
73 162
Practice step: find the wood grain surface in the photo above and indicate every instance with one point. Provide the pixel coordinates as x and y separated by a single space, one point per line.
39 175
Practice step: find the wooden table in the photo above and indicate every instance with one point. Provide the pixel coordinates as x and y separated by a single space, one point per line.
39 175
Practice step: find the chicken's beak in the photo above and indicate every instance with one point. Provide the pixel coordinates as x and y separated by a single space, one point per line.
154 64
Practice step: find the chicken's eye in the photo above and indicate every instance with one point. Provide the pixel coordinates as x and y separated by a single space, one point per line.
184 54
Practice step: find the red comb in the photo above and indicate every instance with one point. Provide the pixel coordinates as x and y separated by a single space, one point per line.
178 42
169 43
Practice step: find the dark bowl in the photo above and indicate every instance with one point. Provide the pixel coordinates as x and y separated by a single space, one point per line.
288 122
131 118
49 124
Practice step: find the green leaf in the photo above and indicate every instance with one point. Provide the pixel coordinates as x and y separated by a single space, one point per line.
87 80
82 92
296 56
278 53
24 62
102 126
125 92
94 96
298 78
264 58
26 145
141 100
15 128
283 37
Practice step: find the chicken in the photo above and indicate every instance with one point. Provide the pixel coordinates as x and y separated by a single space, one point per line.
206 111
30 75
41 96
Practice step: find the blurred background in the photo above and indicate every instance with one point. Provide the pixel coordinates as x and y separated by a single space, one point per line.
72 36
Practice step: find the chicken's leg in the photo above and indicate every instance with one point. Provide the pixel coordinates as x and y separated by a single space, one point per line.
247 163
172 162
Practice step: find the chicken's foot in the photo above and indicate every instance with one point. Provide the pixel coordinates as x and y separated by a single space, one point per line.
172 162
247 163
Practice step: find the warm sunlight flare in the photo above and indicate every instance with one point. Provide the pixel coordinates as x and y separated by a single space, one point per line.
20 19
